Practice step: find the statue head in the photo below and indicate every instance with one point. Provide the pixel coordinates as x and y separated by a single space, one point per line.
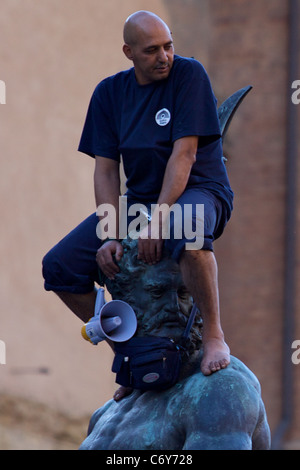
156 293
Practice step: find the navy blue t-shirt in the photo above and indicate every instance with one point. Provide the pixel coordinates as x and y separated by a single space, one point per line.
141 123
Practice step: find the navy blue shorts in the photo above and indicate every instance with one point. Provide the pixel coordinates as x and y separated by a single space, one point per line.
70 266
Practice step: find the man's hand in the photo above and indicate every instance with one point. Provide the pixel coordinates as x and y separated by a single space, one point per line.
105 259
150 245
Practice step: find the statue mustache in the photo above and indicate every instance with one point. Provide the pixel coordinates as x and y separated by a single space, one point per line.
166 316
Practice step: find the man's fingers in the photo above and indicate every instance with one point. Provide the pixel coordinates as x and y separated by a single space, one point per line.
119 252
150 250
105 259
159 247
144 250
108 267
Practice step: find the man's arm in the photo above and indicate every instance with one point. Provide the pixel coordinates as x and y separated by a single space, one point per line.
107 191
178 169
107 181
174 183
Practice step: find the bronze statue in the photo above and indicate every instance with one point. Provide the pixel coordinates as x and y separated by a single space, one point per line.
221 411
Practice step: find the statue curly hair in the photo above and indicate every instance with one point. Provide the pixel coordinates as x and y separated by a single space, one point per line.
136 277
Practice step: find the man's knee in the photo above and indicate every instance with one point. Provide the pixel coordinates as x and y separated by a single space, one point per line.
70 266
59 271
51 270
69 271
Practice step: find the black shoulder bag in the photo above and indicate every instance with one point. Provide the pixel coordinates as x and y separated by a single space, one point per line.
150 362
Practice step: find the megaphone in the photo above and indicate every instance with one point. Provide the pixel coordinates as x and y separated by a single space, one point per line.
114 320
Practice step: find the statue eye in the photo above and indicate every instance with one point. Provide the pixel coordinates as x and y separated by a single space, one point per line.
156 292
183 293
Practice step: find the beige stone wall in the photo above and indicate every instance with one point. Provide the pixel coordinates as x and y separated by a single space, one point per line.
242 43
251 45
52 55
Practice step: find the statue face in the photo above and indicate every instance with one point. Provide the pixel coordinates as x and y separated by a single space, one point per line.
156 293
162 301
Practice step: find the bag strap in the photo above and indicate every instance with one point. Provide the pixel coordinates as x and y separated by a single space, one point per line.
189 325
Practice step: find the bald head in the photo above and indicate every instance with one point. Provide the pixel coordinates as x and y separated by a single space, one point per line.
149 45
142 23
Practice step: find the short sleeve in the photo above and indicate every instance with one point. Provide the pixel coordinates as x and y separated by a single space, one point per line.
99 134
195 110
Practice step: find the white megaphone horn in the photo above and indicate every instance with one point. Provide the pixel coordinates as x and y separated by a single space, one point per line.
114 320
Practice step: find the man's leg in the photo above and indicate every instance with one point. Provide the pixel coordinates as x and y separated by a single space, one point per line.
199 270
70 269
200 275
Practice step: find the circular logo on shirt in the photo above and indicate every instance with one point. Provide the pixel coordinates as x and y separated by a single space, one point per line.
163 117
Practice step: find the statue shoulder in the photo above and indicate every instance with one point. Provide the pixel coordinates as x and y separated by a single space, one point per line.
237 380
98 413
224 410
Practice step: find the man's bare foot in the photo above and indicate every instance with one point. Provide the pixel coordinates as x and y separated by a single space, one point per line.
122 392
216 356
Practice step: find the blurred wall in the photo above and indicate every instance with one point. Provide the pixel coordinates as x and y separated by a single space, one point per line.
52 55
247 43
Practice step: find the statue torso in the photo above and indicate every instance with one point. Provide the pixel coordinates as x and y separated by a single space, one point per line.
168 420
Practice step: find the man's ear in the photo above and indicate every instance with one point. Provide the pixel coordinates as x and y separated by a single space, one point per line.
127 51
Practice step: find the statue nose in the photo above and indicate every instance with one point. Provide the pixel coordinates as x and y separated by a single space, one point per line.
173 304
